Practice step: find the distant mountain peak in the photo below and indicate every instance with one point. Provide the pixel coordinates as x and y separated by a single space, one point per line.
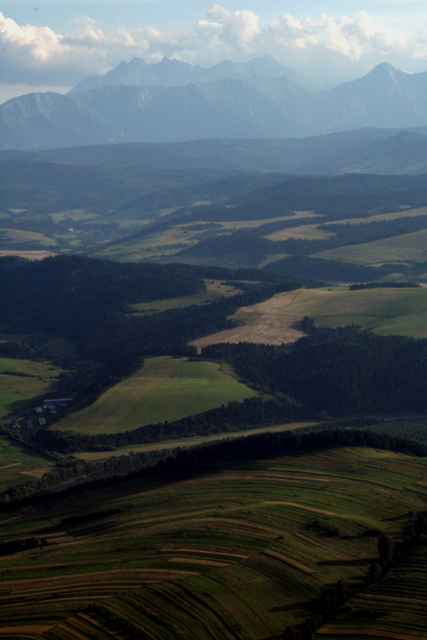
171 72
134 62
386 70
383 67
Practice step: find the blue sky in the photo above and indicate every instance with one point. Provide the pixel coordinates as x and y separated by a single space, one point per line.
54 44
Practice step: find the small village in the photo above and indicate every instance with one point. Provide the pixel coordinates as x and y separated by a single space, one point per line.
41 415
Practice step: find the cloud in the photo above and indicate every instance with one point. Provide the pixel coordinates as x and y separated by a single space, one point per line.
37 55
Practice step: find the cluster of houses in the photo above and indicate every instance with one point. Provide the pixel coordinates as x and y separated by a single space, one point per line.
49 407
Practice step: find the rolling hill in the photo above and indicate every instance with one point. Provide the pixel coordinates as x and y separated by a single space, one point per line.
244 553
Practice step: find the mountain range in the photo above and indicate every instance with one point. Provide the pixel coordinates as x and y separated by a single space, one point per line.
174 73
172 102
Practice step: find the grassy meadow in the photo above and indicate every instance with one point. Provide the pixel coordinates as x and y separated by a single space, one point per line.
19 464
409 247
387 311
215 289
396 215
240 554
164 389
305 232
21 380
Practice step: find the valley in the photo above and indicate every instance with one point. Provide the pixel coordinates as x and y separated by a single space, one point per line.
213 358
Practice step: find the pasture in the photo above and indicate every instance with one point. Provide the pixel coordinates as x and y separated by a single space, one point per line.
165 389
396 215
408 247
21 380
387 311
215 289
19 464
240 554
305 232
141 248
29 255
17 236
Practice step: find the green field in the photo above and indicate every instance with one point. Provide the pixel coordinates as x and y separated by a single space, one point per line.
386 311
409 247
237 555
148 247
214 291
16 236
165 389
21 380
396 215
19 464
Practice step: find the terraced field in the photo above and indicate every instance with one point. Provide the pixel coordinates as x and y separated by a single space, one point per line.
392 608
240 554
165 389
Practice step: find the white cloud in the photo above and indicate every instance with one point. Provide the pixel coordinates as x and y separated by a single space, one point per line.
36 55
347 44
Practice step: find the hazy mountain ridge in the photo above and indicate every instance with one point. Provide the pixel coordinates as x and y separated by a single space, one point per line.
174 73
253 107
378 151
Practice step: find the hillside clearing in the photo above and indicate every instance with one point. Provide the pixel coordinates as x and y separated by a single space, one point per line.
215 289
18 461
408 247
165 389
268 322
387 311
21 380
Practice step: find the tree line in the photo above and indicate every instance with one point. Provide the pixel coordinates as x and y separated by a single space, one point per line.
190 462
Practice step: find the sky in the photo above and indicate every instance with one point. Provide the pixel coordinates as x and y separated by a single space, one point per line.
53 44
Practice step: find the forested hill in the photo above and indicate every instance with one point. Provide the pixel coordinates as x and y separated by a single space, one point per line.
89 303
341 371
67 281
